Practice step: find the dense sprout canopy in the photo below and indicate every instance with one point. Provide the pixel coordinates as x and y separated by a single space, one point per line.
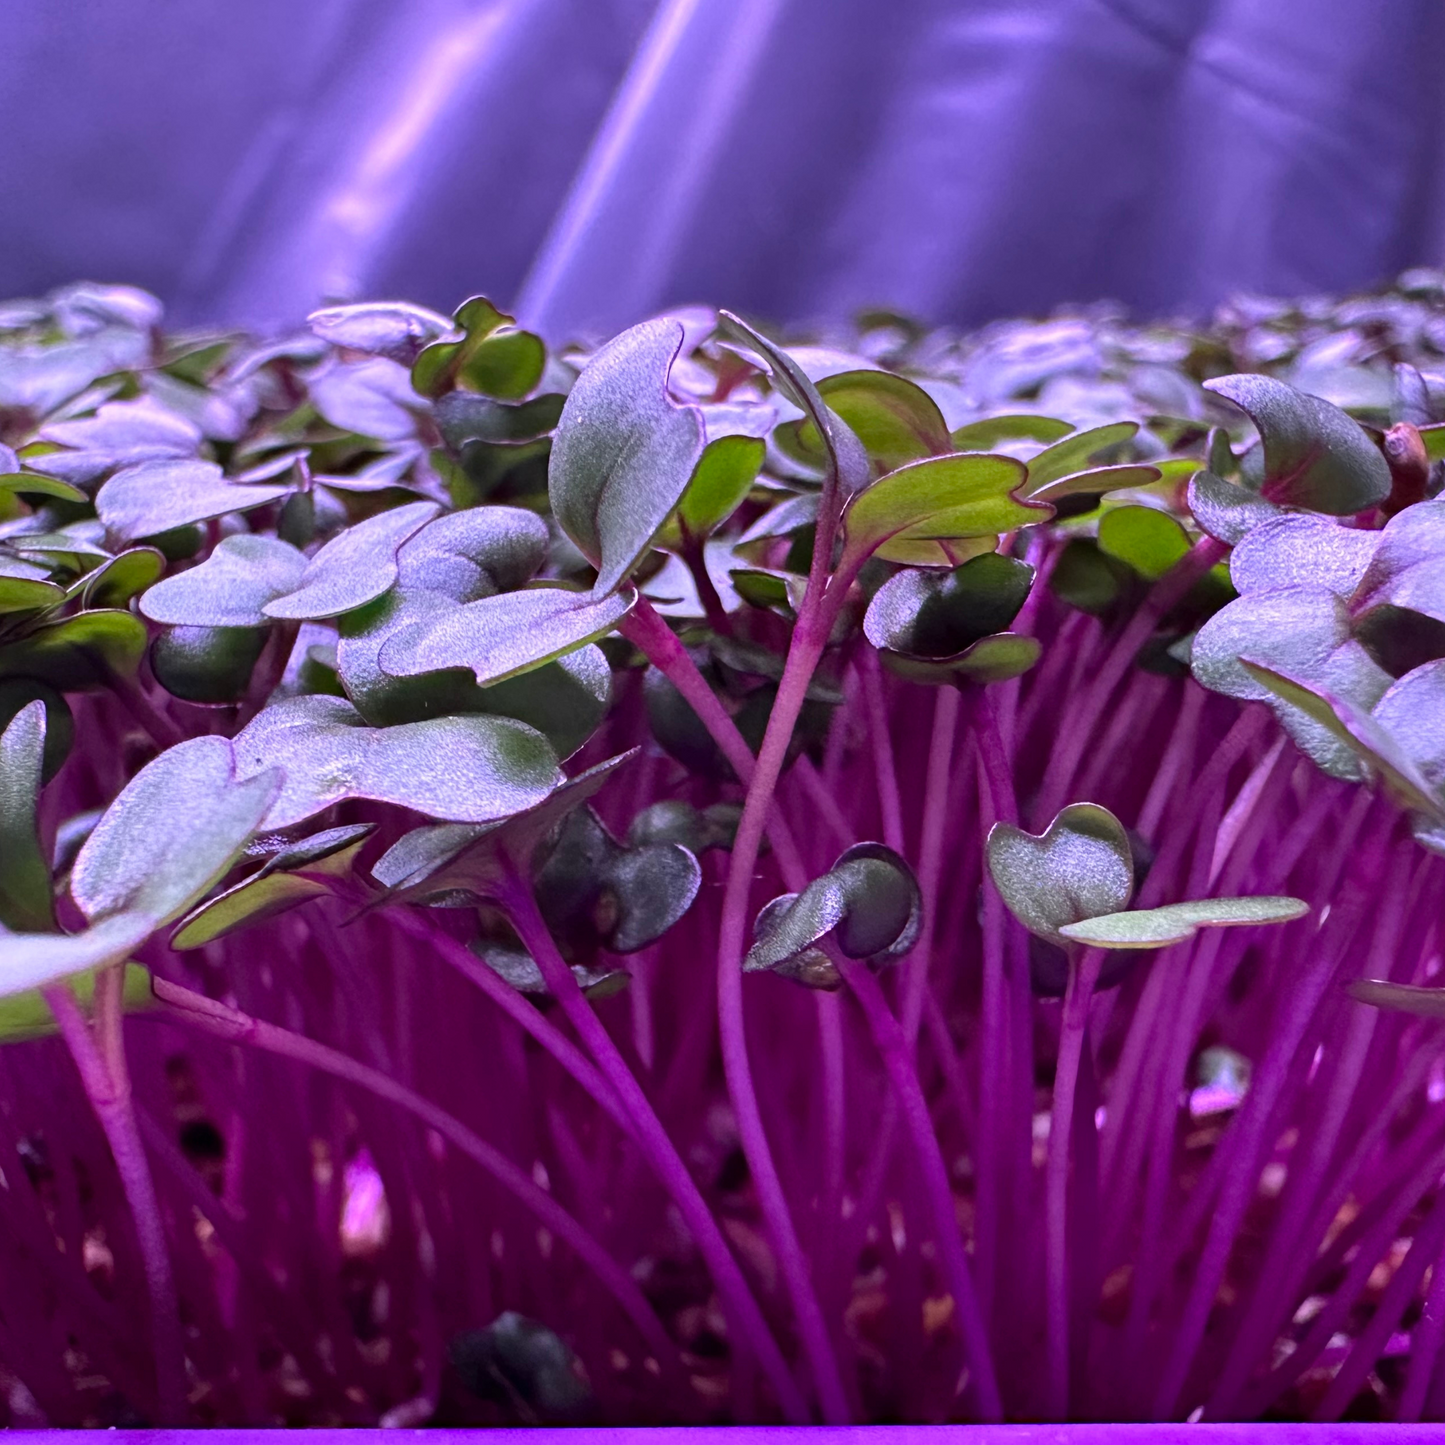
410 613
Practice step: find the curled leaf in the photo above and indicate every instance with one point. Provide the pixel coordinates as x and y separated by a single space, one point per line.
1315 455
869 901
624 451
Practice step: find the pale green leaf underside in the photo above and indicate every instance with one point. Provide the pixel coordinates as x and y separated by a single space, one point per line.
1176 922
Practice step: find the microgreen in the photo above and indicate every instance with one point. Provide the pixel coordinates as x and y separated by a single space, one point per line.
466 751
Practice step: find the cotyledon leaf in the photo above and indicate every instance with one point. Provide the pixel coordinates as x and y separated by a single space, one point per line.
292 877
85 651
355 567
32 960
1080 867
623 451
171 834
1176 922
231 587
462 769
500 637
1072 454
986 433
1427 1003
951 498
26 1015
25 902
1144 538
869 901
1407 569
1315 455
846 455
158 496
1302 550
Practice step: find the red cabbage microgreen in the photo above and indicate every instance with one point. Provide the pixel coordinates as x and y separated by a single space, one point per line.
531 860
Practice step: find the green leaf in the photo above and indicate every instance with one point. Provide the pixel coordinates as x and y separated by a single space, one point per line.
465 769
231 587
1080 867
448 858
295 875
474 553
79 653
26 1015
355 567
931 626
493 358
986 433
623 452
124 576
34 485
565 699
725 472
945 499
25 587
208 665
1159 927
1074 453
1301 631
25 902
463 417
393 329
896 421
868 900
1087 578
1095 481
16 693
1434 439
174 831
158 496
1224 511
997 658
1147 540
1413 710
1408 567
623 897
1302 550
520 970
1315 456
845 455
1425 1003
500 637
32 960
1365 735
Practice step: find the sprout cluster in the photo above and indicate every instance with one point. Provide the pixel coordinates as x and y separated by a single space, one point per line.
708 880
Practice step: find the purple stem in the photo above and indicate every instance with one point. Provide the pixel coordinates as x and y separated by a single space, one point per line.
809 638
930 854
196 1011
889 801
897 1059
107 1085
1083 727
1083 975
737 1299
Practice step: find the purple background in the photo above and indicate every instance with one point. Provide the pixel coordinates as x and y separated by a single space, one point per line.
595 160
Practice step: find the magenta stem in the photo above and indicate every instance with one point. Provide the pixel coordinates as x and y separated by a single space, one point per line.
889 802
752 1331
809 638
1083 975
107 1085
898 1061
196 1011
930 854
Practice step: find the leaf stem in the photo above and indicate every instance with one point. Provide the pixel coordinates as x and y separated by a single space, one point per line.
100 1060
738 1302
